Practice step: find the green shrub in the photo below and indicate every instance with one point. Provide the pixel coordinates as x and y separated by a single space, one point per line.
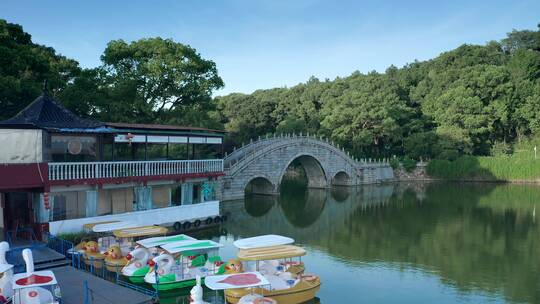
75 238
408 164
501 149
394 163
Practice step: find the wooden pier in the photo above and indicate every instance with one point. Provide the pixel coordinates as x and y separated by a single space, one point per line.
100 291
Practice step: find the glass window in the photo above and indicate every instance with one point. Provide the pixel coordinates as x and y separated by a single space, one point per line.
196 193
126 151
66 148
176 195
157 151
178 151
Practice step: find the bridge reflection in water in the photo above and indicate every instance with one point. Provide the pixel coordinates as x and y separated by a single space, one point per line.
438 242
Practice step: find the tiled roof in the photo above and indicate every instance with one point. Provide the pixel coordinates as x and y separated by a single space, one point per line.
47 113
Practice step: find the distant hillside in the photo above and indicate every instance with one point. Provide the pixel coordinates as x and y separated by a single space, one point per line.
474 100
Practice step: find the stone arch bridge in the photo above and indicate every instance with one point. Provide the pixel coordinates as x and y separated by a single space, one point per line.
260 166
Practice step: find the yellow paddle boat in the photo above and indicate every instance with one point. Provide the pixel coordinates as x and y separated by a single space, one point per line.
92 256
292 264
114 260
272 257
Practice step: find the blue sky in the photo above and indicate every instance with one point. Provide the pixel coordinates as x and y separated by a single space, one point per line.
274 43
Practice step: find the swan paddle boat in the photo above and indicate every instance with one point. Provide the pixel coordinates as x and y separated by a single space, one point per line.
35 287
181 262
137 260
6 275
196 293
273 256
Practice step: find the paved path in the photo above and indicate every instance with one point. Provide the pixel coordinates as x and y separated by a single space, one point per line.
71 283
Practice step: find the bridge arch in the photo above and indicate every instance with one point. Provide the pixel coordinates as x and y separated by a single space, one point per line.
341 178
312 166
260 185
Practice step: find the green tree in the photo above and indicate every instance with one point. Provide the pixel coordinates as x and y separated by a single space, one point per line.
24 66
154 80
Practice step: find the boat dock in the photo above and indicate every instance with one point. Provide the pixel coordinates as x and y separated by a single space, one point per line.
72 283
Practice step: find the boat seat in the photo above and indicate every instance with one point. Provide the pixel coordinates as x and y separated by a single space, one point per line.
278 283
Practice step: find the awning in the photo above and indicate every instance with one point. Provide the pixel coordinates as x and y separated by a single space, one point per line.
140 231
158 241
271 253
190 245
263 241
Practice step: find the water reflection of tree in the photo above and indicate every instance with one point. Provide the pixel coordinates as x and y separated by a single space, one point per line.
340 194
470 244
474 236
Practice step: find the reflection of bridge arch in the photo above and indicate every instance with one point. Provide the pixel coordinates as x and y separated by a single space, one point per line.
259 205
324 164
326 214
302 211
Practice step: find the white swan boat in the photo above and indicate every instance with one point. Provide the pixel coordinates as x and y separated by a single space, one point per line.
35 287
6 275
181 262
137 266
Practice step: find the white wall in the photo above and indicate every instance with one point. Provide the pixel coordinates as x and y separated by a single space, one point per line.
21 146
149 217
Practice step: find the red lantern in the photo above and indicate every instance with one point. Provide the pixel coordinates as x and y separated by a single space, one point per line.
129 138
46 200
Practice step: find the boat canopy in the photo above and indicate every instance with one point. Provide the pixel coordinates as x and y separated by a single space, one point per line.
108 227
140 231
237 280
182 246
271 253
34 279
162 240
263 241
90 226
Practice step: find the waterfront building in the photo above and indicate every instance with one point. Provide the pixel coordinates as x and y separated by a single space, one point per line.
59 171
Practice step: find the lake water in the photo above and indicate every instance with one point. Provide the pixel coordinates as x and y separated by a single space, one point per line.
404 243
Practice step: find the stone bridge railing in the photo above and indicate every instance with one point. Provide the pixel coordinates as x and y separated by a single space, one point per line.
255 149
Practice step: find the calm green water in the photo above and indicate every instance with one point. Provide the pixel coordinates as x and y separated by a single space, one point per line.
405 243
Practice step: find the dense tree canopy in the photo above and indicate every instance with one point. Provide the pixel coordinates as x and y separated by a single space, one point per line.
475 99
24 66
149 80
465 101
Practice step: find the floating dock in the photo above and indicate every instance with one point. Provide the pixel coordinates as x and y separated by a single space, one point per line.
72 284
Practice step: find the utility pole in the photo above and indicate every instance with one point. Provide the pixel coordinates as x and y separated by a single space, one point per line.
534 152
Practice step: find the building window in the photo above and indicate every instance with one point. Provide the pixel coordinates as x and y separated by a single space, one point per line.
196 193
66 148
176 195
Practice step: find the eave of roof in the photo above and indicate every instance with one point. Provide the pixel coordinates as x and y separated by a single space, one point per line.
162 129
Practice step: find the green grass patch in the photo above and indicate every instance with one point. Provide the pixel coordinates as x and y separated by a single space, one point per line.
75 238
495 168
